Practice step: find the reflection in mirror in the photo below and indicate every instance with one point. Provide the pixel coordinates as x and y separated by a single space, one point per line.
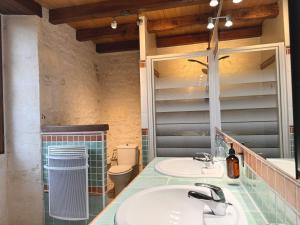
251 101
182 107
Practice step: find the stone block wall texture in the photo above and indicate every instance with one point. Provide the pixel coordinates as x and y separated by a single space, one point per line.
120 98
79 86
68 76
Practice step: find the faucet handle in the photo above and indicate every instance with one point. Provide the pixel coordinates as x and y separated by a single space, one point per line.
199 195
217 193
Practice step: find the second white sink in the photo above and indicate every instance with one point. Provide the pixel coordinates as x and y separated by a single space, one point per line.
188 167
170 205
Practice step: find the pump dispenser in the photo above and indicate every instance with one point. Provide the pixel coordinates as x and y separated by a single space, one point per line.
233 166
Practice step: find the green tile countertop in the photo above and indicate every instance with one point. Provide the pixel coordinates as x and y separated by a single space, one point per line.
149 177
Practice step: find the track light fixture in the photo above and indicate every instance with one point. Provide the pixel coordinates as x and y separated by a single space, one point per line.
214 3
114 24
211 25
229 22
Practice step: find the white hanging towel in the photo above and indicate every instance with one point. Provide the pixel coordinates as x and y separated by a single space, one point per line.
68 182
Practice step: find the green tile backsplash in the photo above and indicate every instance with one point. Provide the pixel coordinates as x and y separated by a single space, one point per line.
274 208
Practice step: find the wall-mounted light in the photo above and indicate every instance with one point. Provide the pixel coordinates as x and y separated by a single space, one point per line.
229 22
214 3
237 1
210 24
114 24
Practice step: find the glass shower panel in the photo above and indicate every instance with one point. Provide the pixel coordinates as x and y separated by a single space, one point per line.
182 107
249 100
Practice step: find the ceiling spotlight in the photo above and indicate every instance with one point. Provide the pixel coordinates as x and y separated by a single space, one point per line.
237 1
114 24
229 22
214 3
210 24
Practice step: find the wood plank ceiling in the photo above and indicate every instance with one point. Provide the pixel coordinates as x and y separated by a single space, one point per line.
20 7
175 22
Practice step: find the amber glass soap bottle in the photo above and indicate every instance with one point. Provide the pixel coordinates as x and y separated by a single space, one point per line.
233 166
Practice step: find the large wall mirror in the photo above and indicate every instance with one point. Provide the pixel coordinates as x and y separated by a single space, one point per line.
254 102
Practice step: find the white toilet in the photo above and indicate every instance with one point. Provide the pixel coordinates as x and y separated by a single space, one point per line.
122 173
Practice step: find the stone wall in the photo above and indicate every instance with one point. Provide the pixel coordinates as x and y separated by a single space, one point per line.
120 97
68 77
79 86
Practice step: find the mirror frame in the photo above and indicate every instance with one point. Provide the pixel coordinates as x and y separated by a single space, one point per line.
294 16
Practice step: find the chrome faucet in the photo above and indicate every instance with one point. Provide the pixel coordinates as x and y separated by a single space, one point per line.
203 156
215 201
207 158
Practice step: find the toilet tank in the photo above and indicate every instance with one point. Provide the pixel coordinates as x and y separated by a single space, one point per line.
127 154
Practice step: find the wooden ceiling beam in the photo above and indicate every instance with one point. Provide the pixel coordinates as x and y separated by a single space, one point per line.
118 46
130 31
20 7
125 30
224 35
114 8
254 13
182 39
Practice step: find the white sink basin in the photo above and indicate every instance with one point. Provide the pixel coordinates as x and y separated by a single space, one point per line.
188 167
170 205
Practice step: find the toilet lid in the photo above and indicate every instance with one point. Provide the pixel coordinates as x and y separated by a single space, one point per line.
120 169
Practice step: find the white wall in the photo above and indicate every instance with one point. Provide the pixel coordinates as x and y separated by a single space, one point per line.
203 46
22 120
277 29
3 190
